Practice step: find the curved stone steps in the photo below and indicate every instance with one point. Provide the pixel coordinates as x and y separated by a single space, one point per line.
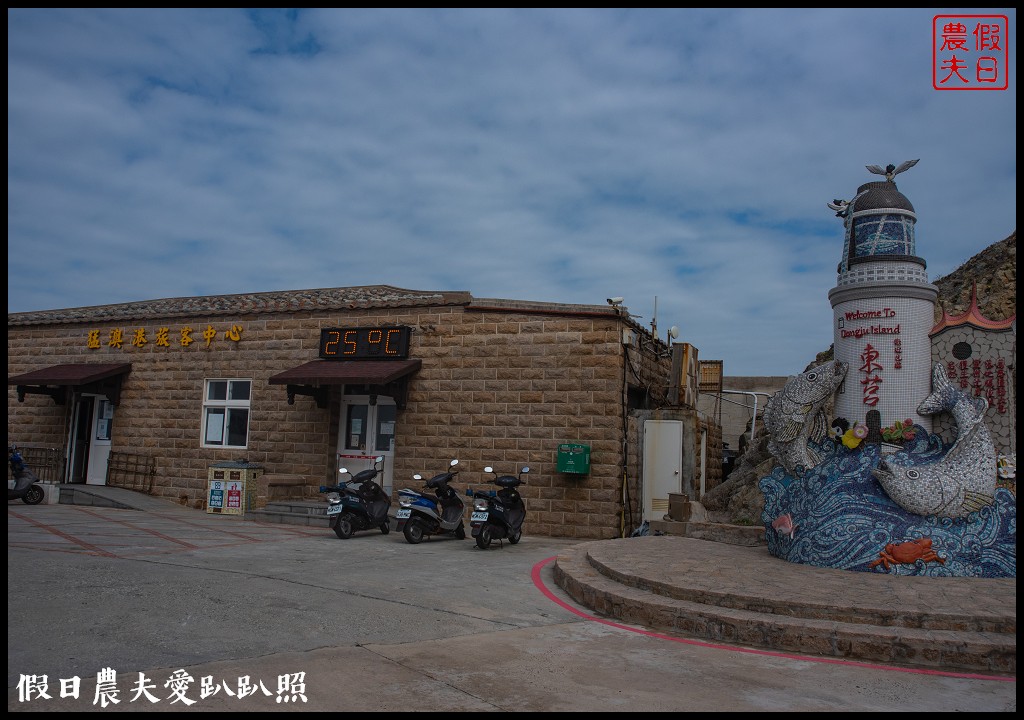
744 596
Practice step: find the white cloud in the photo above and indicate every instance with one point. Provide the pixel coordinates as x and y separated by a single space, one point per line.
568 156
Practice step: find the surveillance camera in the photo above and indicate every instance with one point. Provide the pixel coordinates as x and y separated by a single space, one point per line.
615 300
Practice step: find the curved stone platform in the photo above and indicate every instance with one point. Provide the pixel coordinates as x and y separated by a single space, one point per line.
744 596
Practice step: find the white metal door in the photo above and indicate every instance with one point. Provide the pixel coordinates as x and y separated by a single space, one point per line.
366 431
663 465
99 453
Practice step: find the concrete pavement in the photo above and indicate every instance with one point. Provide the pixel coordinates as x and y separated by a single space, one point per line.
166 593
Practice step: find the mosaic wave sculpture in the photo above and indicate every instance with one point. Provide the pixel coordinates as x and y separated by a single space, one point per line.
837 515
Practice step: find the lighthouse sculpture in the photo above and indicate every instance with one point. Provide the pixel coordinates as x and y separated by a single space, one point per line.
883 307
883 492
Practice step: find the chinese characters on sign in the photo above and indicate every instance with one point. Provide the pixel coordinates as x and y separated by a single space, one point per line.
870 367
225 496
970 52
116 337
986 378
291 688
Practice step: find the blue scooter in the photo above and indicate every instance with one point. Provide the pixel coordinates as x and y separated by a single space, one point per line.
358 503
25 487
498 514
423 514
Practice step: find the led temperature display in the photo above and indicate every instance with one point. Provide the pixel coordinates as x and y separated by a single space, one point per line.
365 343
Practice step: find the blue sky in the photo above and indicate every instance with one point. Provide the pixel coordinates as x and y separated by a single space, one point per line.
681 159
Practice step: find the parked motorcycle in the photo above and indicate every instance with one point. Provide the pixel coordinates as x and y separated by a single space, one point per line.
359 503
498 514
424 514
25 487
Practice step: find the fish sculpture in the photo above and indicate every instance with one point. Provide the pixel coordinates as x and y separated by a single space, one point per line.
964 480
796 414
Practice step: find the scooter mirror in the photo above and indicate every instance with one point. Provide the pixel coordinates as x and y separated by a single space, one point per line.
453 463
488 469
342 470
525 470
417 476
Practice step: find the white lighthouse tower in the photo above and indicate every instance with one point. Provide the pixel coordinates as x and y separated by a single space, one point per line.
883 307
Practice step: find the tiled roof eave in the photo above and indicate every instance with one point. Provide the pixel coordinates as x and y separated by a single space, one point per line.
976 321
293 301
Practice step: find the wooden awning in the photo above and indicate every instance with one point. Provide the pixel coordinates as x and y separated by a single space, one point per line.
54 381
389 377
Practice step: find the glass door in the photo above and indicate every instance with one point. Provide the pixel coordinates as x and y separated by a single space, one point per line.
99 453
365 431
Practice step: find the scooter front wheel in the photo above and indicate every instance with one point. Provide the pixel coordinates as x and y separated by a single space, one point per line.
343 528
483 540
516 536
413 532
33 496
460 532
385 528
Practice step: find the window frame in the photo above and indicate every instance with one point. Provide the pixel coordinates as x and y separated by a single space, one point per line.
226 408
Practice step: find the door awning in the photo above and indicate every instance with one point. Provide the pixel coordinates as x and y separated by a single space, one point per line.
54 381
314 378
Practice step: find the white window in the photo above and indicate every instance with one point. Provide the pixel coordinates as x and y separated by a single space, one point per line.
226 413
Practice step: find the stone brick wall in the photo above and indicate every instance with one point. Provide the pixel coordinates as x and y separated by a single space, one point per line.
503 388
713 464
499 385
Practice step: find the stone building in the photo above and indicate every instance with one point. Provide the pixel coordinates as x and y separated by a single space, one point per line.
150 395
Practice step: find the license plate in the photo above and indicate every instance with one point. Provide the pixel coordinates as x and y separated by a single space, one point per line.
403 514
478 517
335 509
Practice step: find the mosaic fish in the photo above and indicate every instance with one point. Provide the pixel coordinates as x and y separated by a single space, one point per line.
796 414
784 525
964 480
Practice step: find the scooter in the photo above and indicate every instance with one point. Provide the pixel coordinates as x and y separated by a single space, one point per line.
423 514
498 514
25 487
359 503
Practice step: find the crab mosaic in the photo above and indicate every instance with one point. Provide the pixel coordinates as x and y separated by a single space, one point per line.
907 553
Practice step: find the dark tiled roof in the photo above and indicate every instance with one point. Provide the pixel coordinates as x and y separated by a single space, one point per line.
359 372
287 301
71 374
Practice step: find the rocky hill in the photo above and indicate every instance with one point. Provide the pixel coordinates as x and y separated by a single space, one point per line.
994 271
